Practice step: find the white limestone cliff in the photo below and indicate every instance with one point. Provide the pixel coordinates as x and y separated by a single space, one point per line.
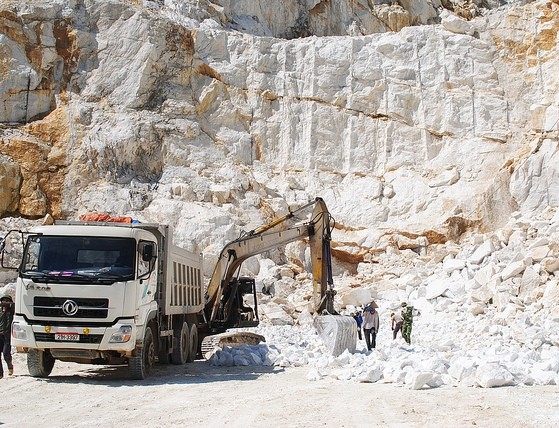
432 117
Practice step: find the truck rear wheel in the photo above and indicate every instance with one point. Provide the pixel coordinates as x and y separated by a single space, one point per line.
140 365
39 363
181 345
193 343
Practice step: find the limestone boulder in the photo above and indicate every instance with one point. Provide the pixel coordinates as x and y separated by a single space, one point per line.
10 184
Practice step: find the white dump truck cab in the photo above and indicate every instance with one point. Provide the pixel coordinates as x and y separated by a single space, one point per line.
102 293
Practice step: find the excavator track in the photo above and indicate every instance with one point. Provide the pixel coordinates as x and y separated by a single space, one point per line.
218 341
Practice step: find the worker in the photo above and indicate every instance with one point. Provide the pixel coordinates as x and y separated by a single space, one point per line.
358 317
371 325
397 323
407 315
6 317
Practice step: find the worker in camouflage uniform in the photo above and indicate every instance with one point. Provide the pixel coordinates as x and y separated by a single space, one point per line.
407 314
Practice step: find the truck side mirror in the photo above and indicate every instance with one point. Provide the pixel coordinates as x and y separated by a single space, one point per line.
148 257
147 252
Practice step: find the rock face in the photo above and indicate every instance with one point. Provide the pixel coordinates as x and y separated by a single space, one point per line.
415 121
10 182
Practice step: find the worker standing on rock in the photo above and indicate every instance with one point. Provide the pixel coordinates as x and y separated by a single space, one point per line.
6 317
370 325
407 314
397 323
358 317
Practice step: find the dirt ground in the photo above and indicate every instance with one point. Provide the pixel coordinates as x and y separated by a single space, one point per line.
198 394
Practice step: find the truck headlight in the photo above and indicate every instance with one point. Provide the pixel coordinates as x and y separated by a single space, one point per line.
123 334
18 332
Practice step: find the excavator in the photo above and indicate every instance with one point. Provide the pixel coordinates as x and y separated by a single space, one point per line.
225 306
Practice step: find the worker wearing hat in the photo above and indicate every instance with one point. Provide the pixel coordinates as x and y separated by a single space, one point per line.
6 317
371 325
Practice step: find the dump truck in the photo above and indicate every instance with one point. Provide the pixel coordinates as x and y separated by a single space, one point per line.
106 292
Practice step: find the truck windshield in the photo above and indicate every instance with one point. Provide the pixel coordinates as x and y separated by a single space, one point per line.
79 258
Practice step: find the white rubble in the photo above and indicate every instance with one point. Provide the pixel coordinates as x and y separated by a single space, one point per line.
457 340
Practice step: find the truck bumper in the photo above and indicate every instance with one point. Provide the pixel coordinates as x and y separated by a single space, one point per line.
26 336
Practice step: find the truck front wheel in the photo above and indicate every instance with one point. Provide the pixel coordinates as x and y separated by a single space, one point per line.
140 365
39 363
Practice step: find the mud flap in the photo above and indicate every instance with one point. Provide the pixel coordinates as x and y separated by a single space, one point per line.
337 332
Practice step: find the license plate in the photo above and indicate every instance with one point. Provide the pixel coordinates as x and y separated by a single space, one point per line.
67 337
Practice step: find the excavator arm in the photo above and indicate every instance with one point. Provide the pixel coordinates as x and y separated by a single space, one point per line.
223 285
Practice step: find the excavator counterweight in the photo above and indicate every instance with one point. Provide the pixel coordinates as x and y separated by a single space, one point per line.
225 307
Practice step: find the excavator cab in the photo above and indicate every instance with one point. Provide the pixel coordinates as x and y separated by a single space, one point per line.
233 310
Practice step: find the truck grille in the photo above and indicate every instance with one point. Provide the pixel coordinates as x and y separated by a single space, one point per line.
55 307
84 338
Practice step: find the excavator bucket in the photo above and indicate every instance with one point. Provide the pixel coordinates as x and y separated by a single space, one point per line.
337 332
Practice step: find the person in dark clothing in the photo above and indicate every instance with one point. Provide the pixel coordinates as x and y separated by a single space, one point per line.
6 317
359 320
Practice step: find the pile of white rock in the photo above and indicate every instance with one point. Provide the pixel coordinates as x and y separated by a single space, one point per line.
490 361
486 314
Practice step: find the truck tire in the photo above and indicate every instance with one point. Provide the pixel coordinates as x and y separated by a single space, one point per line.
181 345
140 365
193 343
39 363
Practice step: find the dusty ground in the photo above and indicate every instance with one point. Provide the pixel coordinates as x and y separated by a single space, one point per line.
201 395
